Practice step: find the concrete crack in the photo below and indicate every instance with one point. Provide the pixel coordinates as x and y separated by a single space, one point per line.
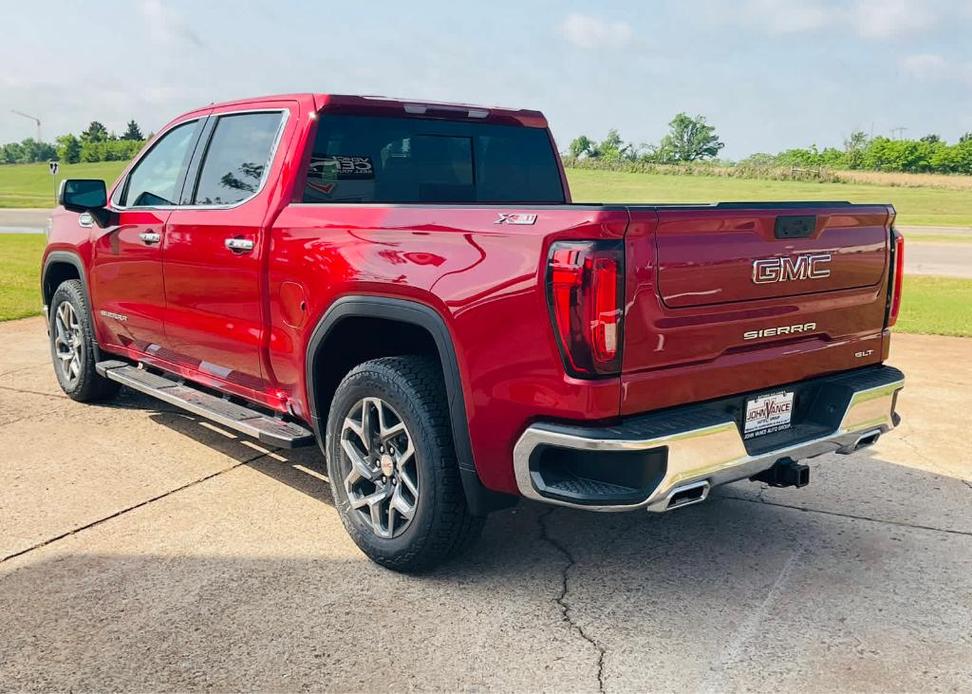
561 599
133 507
34 392
901 524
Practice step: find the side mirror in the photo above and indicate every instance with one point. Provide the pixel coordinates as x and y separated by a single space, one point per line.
86 195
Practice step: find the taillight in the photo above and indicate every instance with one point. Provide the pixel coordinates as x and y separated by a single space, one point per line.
585 292
897 257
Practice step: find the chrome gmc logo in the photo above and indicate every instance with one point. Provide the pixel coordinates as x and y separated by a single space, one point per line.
801 267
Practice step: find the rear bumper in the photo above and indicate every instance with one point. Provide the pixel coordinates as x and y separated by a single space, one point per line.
645 461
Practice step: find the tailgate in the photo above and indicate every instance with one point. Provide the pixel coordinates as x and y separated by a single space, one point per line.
751 255
733 298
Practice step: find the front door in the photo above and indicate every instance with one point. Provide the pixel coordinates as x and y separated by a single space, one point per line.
127 292
213 253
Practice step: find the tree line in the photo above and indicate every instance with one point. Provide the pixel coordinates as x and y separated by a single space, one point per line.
95 143
693 139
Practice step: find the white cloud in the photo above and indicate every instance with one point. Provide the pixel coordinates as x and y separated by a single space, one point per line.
931 66
165 26
884 19
868 19
585 31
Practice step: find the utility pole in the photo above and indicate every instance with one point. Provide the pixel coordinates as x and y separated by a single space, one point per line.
30 117
899 130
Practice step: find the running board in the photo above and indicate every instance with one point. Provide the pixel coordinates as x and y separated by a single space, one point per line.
263 427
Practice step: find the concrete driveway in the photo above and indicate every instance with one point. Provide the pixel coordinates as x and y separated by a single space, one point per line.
141 549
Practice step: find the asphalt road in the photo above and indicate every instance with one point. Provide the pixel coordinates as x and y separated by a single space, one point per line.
142 549
921 258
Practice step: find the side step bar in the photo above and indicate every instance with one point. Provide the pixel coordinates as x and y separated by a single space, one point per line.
263 427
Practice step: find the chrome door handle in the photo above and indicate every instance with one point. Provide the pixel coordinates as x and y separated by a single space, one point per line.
239 245
150 237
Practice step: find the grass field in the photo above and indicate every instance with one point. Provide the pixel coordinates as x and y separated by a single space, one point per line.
30 185
20 256
915 206
934 305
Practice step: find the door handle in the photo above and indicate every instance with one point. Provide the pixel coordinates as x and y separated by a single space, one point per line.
239 245
150 237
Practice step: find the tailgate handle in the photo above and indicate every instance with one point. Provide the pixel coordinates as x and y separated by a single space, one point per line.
795 226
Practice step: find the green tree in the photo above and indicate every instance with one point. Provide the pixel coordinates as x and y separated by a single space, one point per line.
690 139
931 138
96 132
613 148
581 146
11 153
68 149
966 137
854 147
132 132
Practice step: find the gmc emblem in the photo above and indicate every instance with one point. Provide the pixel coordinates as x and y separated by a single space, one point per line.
801 267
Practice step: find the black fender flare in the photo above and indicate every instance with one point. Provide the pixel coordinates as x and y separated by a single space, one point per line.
479 499
70 258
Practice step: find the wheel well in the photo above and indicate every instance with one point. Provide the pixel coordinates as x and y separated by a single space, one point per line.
56 273
358 339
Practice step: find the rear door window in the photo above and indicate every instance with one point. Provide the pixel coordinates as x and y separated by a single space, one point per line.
237 158
362 159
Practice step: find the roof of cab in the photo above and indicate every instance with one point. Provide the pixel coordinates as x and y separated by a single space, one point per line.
380 105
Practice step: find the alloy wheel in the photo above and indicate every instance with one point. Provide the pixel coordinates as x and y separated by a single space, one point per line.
378 459
68 342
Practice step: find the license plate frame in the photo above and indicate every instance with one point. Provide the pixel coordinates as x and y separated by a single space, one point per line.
768 413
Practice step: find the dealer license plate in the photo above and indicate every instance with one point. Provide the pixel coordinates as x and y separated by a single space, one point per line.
768 413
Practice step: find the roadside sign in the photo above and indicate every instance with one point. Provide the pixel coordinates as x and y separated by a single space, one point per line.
53 166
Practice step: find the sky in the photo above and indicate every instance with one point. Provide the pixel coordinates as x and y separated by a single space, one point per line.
769 74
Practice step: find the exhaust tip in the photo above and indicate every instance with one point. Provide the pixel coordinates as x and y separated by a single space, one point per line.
687 495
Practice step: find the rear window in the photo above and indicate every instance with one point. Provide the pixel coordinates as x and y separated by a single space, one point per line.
360 159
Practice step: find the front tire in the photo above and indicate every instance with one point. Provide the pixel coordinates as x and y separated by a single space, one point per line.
73 346
392 465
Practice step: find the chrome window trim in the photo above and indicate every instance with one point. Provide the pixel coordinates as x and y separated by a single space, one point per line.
271 160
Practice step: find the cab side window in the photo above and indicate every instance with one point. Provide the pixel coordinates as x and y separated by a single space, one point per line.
237 157
157 178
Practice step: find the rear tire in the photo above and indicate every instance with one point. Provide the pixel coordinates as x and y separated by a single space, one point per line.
392 465
73 346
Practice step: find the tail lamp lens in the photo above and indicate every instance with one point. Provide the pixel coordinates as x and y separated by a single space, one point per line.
585 295
897 241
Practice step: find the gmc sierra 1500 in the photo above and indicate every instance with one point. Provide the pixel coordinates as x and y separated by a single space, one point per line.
409 286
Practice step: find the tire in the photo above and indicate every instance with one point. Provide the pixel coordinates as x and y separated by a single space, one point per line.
410 394
72 337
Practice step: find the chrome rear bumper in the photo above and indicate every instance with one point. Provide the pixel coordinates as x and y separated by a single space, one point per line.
713 454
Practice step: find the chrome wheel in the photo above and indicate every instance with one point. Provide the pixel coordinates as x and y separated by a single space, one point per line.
68 342
378 462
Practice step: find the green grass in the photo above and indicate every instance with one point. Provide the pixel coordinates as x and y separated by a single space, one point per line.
937 238
20 256
915 206
936 306
30 185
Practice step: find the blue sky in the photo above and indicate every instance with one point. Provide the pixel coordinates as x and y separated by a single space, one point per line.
770 74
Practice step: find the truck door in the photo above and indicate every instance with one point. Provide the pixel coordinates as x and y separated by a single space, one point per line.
126 263
214 251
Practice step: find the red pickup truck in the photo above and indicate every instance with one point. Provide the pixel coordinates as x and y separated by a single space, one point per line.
409 286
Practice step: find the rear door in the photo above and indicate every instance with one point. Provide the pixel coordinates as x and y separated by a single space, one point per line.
214 249
126 264
732 298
